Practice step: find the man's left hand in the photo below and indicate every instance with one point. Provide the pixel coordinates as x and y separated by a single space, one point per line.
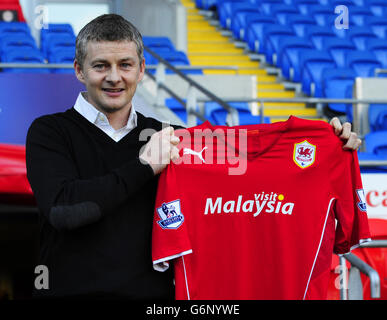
343 131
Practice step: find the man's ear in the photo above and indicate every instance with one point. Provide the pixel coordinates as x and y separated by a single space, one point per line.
142 70
78 72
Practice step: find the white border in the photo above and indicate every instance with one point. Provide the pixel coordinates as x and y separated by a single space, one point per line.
186 281
319 245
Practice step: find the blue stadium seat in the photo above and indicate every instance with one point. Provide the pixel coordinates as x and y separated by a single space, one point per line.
267 5
225 13
217 115
53 41
378 7
337 83
149 59
177 108
158 43
299 23
254 30
338 48
206 4
289 57
273 35
303 5
319 13
280 11
62 55
378 25
379 48
199 4
56 28
376 143
334 3
358 15
19 40
359 36
14 28
241 22
317 34
312 64
363 63
377 116
178 58
238 20
27 55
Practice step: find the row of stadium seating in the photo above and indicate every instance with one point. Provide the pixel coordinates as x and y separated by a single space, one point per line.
216 114
306 51
301 39
57 45
376 139
164 47
377 7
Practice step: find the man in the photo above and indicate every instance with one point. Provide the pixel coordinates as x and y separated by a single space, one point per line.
95 178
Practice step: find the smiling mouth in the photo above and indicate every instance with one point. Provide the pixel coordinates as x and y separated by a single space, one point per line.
112 90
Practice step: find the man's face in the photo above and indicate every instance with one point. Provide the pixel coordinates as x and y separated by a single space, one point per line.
110 72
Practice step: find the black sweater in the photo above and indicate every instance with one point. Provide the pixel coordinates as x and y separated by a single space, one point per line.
96 202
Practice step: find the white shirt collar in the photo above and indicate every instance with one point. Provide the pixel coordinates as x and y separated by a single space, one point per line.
96 117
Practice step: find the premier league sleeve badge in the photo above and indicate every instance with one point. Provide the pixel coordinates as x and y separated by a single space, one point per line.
170 215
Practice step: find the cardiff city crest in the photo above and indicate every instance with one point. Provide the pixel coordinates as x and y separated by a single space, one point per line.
170 214
304 154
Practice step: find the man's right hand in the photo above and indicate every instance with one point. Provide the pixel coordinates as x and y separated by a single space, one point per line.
160 150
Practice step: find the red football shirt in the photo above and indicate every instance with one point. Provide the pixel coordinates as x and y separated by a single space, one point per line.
255 212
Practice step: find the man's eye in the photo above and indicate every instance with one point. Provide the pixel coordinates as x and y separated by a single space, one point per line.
99 66
126 65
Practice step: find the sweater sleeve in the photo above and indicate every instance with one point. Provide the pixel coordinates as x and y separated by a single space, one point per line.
67 201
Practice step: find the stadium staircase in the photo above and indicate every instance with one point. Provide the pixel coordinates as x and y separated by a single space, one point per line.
209 45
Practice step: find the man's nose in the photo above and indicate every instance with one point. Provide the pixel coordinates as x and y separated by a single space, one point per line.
113 75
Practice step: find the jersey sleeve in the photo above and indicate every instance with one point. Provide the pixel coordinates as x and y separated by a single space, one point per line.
350 205
170 238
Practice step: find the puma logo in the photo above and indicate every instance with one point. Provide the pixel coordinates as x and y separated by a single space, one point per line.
198 154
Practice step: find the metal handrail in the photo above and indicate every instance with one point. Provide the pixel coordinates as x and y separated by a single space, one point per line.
301 100
364 268
37 65
179 99
374 244
372 163
367 270
191 99
192 82
192 67
380 71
